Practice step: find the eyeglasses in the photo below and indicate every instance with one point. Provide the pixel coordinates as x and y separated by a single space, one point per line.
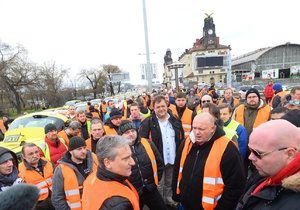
260 155
207 101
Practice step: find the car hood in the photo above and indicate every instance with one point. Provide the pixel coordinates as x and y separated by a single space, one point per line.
14 139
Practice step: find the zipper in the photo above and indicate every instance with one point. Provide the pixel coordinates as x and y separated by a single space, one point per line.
138 165
194 164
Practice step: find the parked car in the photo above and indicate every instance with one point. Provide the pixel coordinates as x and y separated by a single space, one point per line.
72 102
30 128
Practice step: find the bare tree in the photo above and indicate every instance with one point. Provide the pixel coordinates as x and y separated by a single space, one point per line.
16 73
96 78
51 82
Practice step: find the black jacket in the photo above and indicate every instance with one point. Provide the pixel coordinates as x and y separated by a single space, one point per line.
115 202
150 124
285 196
142 173
192 175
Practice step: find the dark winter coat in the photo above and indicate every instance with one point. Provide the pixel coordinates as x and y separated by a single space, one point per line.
150 128
193 171
285 196
142 173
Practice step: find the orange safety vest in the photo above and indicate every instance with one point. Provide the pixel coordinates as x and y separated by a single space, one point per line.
93 198
263 115
235 101
109 130
198 109
281 94
213 184
2 127
71 185
151 155
44 183
103 108
62 134
186 119
88 143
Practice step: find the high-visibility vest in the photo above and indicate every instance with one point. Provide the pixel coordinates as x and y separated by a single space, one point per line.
71 185
146 115
2 127
45 148
96 191
186 120
44 183
62 134
235 101
281 94
151 155
263 115
88 143
124 109
213 184
109 130
198 109
233 125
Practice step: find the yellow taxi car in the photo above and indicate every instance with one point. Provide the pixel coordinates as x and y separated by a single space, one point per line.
30 128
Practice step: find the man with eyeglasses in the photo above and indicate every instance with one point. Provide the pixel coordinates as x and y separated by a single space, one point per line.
205 99
253 112
275 154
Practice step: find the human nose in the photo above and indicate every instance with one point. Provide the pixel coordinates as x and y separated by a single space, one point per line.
131 161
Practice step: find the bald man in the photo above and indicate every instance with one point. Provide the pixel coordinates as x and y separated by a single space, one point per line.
208 172
276 156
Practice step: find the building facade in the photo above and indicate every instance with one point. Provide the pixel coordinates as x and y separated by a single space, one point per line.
279 62
207 60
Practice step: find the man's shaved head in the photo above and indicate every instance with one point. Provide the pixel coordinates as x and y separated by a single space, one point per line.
273 146
277 133
203 127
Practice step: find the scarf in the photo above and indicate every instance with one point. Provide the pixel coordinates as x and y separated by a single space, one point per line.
292 168
8 180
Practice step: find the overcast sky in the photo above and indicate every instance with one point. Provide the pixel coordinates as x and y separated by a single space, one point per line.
82 34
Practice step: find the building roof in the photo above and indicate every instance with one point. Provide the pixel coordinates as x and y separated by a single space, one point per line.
251 56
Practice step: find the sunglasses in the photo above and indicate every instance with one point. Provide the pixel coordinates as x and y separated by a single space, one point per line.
207 101
260 155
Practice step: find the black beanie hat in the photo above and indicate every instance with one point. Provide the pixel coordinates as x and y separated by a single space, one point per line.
115 113
253 90
125 126
76 142
293 117
50 127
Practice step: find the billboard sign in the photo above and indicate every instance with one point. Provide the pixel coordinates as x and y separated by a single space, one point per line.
269 74
117 77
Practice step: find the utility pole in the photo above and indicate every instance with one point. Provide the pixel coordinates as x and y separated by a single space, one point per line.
148 65
229 79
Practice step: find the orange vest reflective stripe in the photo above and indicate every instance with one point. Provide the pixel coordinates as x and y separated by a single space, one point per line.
62 134
186 119
109 130
71 187
151 155
263 115
93 197
281 94
44 183
213 184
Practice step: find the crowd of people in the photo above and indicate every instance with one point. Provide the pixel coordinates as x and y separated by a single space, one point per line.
168 150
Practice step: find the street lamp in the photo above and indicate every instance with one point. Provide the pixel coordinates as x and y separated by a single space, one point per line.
176 65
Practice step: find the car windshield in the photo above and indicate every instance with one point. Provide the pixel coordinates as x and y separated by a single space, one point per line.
36 121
